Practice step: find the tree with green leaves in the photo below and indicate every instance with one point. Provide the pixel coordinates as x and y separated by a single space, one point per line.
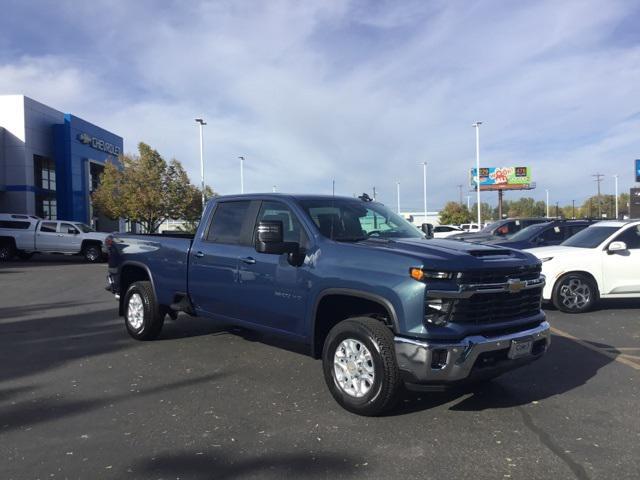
147 190
454 213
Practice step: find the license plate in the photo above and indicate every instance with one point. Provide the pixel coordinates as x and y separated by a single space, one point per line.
520 348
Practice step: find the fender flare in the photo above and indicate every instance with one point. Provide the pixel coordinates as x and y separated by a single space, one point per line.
133 263
353 293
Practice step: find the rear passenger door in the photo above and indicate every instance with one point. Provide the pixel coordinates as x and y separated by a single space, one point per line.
213 267
47 239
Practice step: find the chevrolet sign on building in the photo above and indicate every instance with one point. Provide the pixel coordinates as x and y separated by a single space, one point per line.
99 144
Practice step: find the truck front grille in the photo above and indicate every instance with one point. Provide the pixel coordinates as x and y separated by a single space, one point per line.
501 275
496 307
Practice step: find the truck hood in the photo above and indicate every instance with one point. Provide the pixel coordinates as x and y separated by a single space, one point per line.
557 250
95 236
453 255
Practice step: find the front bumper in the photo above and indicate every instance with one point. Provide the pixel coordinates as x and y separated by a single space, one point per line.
441 363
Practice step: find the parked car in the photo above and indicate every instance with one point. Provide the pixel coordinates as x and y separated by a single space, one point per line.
601 261
542 234
357 284
24 235
470 227
500 228
443 231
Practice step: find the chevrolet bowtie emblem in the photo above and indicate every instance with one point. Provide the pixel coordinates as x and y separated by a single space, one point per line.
84 138
514 285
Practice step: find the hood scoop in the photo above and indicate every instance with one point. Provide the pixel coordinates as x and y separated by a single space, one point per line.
491 252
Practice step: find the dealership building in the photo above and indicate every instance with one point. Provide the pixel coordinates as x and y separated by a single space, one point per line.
50 162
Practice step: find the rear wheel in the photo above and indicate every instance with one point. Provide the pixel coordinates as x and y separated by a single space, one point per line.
360 366
575 293
6 251
142 316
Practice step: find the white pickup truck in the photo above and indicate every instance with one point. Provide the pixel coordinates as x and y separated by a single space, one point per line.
24 235
601 261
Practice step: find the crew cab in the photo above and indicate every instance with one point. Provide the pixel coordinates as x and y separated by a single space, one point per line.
601 261
361 287
24 235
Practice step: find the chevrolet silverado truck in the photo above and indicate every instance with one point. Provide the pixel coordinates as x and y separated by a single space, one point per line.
382 305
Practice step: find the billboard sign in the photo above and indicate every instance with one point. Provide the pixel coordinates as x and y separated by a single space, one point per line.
498 178
637 170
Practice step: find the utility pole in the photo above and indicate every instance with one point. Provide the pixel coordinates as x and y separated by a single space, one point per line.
398 195
469 203
274 189
573 209
547 190
598 179
424 189
616 184
477 127
241 174
374 192
333 187
460 191
202 123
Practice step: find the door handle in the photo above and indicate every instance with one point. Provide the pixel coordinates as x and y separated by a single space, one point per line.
249 260
199 254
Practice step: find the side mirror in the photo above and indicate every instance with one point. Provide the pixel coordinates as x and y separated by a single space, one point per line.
617 247
270 239
427 229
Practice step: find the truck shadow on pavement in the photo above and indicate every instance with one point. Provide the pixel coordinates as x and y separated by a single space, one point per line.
227 464
566 366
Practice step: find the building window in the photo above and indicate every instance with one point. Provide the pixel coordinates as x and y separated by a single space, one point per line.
47 206
45 173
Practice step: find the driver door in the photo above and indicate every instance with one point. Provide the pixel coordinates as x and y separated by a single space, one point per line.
70 238
620 269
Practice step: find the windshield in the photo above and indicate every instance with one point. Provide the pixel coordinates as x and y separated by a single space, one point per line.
84 228
347 220
590 237
528 232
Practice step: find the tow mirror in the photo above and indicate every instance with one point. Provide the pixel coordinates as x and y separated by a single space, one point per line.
270 239
617 247
427 228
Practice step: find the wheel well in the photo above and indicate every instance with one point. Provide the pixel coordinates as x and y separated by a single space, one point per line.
86 243
10 241
335 308
581 272
128 275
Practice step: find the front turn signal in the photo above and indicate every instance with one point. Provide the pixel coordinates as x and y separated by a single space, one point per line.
416 273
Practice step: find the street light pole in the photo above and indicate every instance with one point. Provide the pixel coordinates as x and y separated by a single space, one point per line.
201 123
424 189
547 190
477 127
398 194
616 183
241 174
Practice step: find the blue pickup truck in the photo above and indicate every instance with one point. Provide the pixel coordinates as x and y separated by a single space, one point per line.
382 305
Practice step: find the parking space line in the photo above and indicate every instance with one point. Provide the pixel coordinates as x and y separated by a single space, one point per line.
620 358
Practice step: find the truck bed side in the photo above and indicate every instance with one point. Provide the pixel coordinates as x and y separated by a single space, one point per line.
162 258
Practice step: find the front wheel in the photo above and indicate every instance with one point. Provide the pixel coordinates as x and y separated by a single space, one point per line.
360 366
92 253
574 293
142 316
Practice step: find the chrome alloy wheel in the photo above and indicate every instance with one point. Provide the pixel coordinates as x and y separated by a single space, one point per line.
353 368
92 254
575 294
135 311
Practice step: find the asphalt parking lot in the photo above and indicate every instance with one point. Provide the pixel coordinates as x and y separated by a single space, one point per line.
80 399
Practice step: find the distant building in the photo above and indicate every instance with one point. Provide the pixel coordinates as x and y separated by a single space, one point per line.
50 162
418 218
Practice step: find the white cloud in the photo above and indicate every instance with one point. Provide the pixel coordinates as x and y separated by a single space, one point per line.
308 92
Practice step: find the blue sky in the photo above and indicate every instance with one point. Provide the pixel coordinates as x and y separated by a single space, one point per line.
359 91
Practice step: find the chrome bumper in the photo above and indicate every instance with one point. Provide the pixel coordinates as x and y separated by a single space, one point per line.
423 362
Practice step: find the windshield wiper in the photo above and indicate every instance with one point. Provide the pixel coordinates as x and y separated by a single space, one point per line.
349 239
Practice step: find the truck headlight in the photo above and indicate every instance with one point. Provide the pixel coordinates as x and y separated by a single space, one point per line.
437 311
421 274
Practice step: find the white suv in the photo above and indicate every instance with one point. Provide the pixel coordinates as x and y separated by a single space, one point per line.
601 261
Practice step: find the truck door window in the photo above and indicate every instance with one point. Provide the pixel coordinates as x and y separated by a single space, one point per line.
48 227
631 236
292 230
68 229
229 223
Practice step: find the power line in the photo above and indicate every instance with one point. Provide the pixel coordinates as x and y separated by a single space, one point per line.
598 179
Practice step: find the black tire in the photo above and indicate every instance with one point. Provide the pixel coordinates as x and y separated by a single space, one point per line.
152 318
25 255
575 293
92 253
385 388
7 251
